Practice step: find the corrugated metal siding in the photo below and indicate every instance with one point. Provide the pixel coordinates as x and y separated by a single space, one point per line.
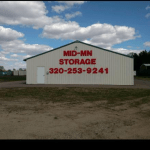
120 68
22 73
15 73
9 73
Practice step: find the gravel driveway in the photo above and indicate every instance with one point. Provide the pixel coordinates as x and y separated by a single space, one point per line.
137 84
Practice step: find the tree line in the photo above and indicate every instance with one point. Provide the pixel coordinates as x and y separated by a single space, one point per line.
141 58
3 69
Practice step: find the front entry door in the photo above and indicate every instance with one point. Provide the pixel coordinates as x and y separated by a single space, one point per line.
41 75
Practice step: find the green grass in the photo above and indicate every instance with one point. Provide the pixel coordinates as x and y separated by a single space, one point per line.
75 94
142 78
12 78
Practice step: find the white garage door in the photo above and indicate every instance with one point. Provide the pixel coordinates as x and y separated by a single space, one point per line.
41 75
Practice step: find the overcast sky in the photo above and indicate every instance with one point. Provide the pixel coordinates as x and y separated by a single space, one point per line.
32 27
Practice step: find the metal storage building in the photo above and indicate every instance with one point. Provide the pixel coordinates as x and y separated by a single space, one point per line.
145 67
80 63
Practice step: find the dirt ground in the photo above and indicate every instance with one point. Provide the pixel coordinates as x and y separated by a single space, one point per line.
31 119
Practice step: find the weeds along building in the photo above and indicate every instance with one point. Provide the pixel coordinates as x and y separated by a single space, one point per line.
80 63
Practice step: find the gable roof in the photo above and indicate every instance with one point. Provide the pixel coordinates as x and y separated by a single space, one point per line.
77 42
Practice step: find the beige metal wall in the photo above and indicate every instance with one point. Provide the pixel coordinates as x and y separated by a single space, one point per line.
19 73
15 73
120 67
22 73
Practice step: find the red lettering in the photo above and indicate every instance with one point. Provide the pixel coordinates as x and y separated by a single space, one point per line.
66 53
79 70
74 53
66 60
82 61
89 53
61 70
71 63
87 61
101 70
69 70
61 62
74 70
70 53
89 70
93 61
51 70
83 53
94 70
76 61
106 70
56 70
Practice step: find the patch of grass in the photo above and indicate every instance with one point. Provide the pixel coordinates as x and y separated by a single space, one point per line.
12 78
143 78
74 94
112 96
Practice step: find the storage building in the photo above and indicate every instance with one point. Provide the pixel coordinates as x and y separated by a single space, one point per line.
80 63
145 67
